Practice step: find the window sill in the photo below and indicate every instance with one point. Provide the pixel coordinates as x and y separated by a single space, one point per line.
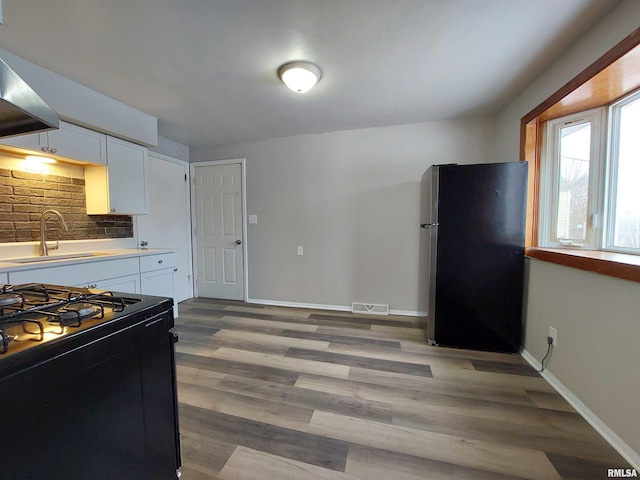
618 265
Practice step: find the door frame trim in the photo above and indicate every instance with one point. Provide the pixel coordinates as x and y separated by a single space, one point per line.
243 181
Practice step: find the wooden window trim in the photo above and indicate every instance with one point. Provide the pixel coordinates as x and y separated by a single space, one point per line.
595 78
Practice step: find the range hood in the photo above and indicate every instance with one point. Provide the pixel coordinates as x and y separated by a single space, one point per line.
21 109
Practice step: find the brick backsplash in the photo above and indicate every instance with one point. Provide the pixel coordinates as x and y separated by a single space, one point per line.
24 196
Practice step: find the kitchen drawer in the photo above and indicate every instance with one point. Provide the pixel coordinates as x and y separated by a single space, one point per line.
124 284
149 263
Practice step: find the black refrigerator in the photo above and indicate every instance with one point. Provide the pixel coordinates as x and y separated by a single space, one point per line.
472 254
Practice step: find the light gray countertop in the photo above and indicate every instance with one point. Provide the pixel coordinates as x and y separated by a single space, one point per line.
32 263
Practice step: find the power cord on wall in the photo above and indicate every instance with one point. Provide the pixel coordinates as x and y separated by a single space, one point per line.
549 347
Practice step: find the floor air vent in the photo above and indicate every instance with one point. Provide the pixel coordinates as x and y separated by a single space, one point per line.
371 308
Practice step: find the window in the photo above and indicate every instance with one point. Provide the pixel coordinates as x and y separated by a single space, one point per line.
589 179
571 172
613 76
624 158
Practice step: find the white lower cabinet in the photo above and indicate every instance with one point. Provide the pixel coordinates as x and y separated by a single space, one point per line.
159 283
157 276
105 274
150 274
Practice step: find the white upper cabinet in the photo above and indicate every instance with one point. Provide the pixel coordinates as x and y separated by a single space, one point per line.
69 141
116 170
120 187
28 142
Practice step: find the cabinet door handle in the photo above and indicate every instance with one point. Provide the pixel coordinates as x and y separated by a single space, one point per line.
159 261
45 149
53 150
175 269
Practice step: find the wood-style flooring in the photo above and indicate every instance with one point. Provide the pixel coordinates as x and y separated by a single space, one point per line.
293 394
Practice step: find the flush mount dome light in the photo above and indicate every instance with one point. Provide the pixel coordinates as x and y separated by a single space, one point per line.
299 76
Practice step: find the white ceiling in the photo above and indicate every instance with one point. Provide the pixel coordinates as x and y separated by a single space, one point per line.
207 68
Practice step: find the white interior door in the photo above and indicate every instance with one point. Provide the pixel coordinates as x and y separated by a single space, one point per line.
168 223
219 231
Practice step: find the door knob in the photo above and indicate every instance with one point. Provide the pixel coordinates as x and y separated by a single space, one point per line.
238 242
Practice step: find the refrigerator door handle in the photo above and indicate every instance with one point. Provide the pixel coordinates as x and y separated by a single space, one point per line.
427 225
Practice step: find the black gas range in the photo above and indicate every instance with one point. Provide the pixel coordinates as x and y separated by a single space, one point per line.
88 376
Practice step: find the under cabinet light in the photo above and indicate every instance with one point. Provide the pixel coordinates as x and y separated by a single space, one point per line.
39 159
37 163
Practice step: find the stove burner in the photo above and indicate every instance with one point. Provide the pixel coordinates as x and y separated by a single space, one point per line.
5 339
7 299
74 313
82 310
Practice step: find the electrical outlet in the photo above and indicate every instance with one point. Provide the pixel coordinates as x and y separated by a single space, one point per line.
553 333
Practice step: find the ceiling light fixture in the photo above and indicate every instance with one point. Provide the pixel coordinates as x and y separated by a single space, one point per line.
299 76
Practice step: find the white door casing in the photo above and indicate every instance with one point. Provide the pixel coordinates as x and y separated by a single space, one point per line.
219 250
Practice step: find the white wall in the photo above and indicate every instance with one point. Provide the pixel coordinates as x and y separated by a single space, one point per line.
171 149
596 316
351 199
597 357
607 33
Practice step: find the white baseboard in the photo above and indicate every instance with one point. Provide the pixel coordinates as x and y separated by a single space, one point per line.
319 306
406 313
315 306
609 435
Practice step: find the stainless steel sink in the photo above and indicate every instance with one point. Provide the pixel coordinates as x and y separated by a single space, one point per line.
51 258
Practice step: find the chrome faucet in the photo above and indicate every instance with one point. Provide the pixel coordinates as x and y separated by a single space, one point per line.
44 249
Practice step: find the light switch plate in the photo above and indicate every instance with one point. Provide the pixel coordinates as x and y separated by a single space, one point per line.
253 218
300 250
